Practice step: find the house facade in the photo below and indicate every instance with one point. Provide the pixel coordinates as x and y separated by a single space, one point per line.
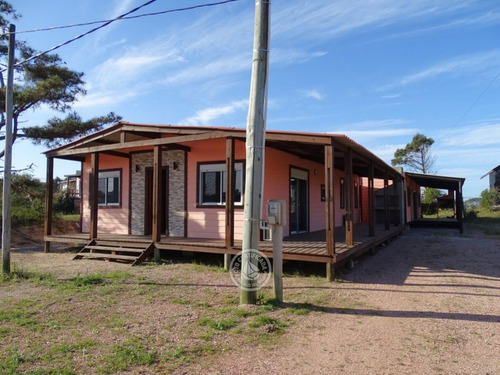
182 188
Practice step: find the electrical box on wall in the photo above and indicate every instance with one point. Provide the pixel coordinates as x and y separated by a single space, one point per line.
276 212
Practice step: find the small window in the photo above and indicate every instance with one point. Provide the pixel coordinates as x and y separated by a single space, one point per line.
409 196
212 184
108 192
342 193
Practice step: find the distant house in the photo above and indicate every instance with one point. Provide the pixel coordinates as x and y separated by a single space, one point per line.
494 177
71 184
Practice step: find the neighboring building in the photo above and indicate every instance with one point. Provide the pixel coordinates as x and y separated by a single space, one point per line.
168 186
494 177
71 184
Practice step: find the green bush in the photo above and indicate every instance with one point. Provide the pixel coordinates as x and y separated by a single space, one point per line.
490 198
28 214
64 204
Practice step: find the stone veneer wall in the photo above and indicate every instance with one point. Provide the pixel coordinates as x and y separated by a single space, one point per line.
176 195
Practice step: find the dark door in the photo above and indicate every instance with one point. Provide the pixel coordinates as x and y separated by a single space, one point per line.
148 201
298 205
415 205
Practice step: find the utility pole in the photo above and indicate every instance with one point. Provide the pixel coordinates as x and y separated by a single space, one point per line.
255 144
9 105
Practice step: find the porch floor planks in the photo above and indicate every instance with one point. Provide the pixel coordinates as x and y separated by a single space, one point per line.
307 247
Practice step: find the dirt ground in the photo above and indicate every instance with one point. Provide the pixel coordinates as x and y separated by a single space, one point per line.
427 303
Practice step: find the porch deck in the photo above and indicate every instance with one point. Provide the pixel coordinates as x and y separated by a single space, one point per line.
310 247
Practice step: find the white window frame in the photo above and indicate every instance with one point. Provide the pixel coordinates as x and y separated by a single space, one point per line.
219 167
106 175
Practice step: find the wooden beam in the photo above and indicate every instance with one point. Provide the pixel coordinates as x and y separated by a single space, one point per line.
157 188
349 215
387 224
94 191
325 140
230 184
117 154
460 209
49 194
145 143
330 200
371 201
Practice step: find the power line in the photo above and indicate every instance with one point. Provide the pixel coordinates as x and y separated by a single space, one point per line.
476 100
82 35
124 18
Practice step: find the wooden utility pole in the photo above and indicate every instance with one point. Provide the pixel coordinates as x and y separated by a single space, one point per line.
9 105
255 143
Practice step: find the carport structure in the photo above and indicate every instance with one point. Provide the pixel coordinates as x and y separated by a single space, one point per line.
449 183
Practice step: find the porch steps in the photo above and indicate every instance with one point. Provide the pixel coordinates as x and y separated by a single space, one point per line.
133 252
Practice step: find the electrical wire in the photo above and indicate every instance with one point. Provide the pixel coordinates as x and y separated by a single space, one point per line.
476 100
124 18
82 35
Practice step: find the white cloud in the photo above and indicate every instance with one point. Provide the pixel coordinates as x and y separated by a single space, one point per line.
483 62
205 116
480 135
313 94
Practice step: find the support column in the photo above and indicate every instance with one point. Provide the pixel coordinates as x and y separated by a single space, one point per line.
460 209
230 184
49 194
387 223
156 228
371 202
94 191
349 222
330 199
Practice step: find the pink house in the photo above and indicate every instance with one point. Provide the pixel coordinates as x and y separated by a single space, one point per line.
146 188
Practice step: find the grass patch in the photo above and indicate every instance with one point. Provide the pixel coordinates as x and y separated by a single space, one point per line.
128 354
264 320
21 318
220 325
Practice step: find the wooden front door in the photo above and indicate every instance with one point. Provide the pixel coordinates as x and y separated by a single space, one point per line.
148 201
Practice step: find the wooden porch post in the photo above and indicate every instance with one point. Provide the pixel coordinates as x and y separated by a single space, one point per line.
94 191
156 230
386 202
330 208
49 194
395 200
371 202
230 182
349 230
460 209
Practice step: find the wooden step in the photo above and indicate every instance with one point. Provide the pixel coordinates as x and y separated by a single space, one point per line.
107 250
111 248
109 256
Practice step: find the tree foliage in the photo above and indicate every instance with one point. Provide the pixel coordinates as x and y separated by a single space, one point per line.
416 155
490 198
45 81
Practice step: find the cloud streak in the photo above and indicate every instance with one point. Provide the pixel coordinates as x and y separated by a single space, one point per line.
205 116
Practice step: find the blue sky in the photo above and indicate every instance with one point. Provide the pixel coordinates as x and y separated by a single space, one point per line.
378 71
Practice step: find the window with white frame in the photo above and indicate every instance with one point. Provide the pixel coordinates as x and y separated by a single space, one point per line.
212 184
108 193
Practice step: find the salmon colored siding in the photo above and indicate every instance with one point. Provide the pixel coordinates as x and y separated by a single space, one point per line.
110 219
209 222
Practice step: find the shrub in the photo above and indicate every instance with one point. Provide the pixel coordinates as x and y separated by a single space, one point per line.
64 204
490 198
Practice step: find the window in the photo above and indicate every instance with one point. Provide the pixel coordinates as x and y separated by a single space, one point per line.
212 184
108 192
342 193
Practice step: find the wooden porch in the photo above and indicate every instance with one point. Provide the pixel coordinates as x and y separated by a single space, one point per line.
309 247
